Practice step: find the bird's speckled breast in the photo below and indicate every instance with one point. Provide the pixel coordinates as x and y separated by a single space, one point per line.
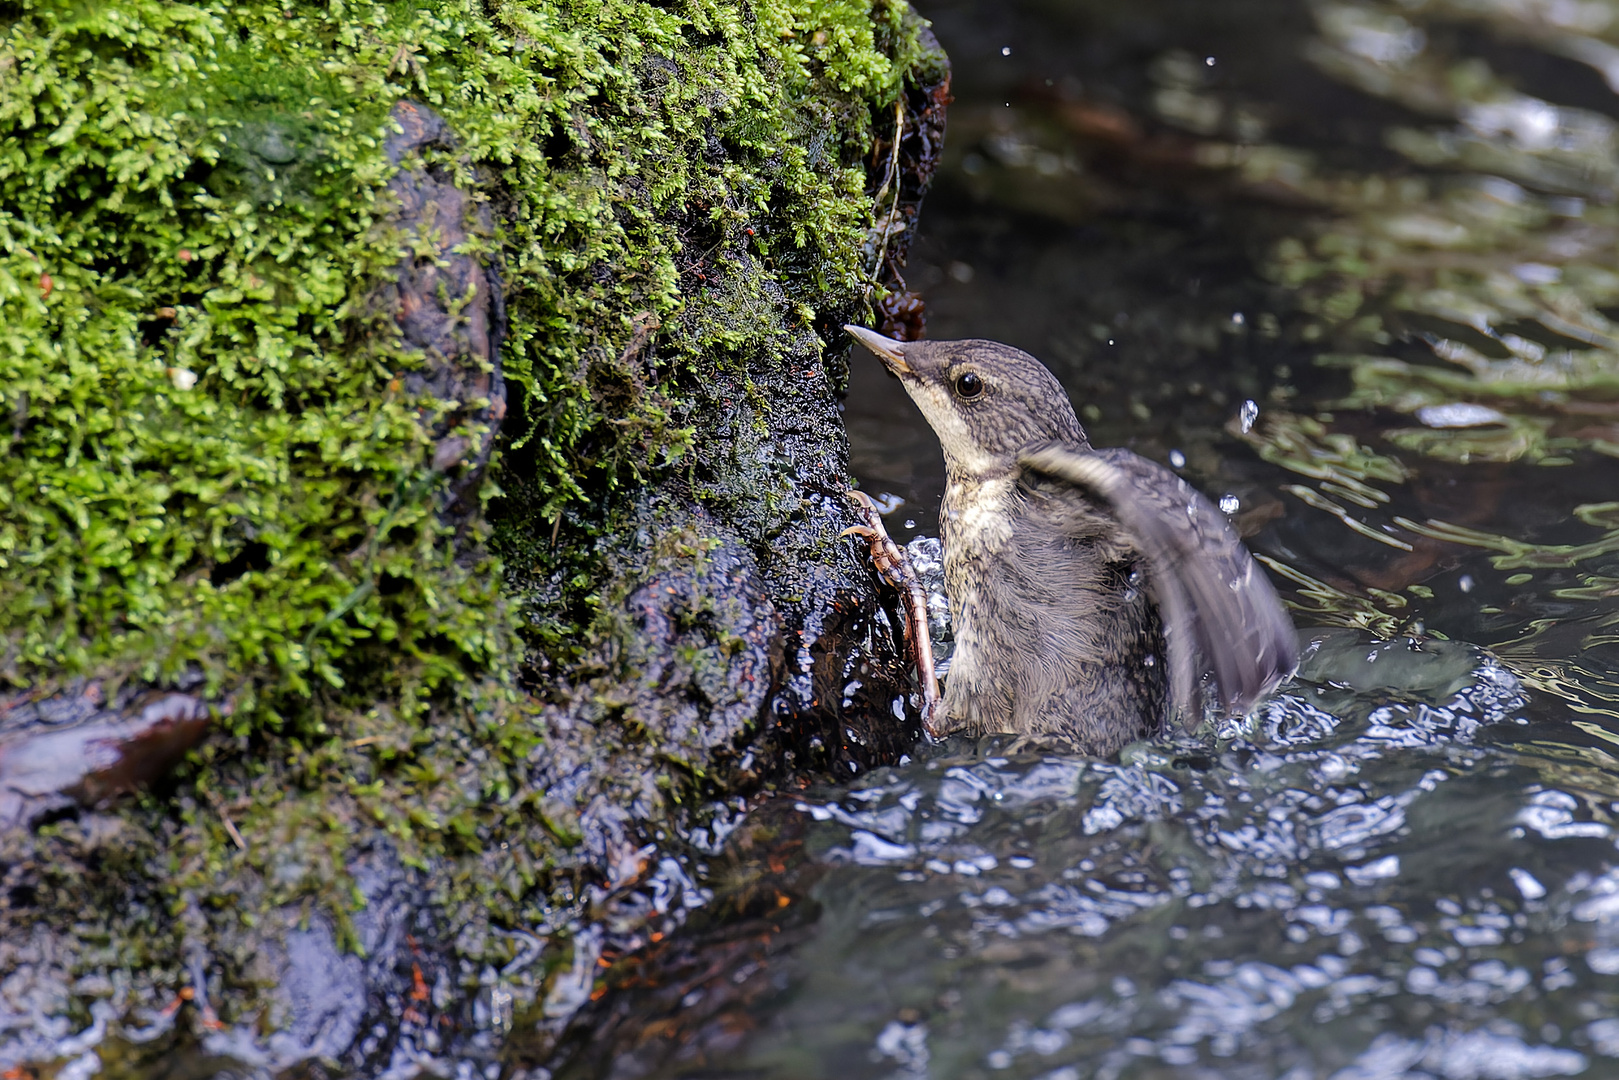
975 516
976 527
1051 634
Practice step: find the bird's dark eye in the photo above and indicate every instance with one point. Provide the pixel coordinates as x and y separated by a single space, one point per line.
969 385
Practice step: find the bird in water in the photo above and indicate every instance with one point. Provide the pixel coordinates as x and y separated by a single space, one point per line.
1094 594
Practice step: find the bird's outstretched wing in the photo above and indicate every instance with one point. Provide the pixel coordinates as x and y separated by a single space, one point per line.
1221 617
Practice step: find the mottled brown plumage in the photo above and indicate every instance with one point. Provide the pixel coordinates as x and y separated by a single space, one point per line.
1093 593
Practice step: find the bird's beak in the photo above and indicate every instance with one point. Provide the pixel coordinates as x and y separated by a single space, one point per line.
889 351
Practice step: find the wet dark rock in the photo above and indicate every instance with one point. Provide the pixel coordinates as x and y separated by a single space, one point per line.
374 1003
377 992
706 642
691 996
366 999
731 671
448 302
750 645
675 692
76 749
745 645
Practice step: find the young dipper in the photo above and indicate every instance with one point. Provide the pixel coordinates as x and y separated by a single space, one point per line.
1074 574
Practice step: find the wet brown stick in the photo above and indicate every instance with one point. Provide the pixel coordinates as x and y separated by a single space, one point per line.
894 568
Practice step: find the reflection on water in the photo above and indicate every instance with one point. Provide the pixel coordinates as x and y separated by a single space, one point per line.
1353 268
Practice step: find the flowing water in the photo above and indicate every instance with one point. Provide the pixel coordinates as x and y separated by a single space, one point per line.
1352 268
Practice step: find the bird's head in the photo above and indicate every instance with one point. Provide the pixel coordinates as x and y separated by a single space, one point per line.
984 400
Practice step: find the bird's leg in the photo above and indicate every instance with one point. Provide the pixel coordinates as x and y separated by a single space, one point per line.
894 568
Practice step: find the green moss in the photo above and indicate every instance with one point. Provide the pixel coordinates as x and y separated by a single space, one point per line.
702 170
212 464
207 463
191 192
637 144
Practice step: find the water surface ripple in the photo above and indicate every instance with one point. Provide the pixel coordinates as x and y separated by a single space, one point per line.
1391 888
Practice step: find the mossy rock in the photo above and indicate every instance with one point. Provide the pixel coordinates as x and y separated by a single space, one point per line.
460 684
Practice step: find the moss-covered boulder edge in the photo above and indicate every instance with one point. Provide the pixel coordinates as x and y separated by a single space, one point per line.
469 738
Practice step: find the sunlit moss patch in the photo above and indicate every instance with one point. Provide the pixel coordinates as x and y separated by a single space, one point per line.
213 464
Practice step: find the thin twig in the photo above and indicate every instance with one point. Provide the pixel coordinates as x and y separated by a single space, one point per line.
891 179
230 826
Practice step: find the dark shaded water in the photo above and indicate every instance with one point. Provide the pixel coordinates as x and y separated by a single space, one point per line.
1390 227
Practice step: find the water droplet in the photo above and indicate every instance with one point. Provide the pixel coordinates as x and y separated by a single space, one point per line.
1249 413
1466 583
910 523
1006 50
1209 60
1177 459
1229 503
1459 415
1376 870
1238 318
1149 661
887 502
1527 885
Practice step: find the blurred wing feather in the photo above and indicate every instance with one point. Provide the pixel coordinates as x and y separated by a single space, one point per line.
1221 617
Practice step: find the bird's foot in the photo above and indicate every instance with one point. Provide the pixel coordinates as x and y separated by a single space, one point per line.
894 568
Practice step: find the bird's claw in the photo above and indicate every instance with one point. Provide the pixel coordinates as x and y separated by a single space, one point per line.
894 568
